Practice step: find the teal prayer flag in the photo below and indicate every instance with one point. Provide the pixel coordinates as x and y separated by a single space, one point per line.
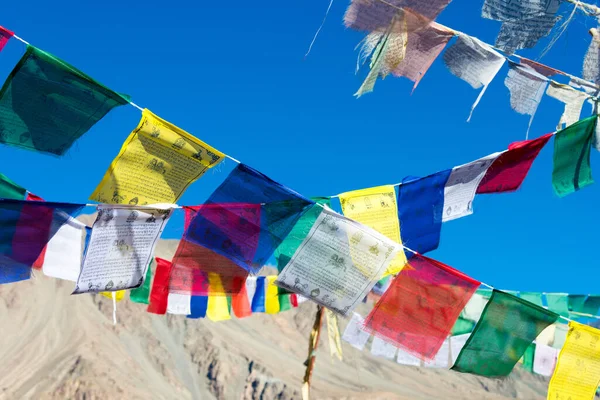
558 303
528 358
10 190
142 293
47 104
535 298
572 147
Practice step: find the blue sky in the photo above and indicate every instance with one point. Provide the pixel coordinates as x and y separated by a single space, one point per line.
234 75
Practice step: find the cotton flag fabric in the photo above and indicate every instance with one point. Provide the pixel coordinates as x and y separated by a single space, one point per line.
406 358
338 263
442 357
376 208
527 358
198 307
120 249
245 239
534 298
585 305
271 296
333 335
474 62
558 303
381 348
142 293
259 295
457 343
420 308
591 62
501 337
156 164
462 185
540 68
508 171
5 36
421 209
474 307
572 147
179 304
11 190
46 104
62 256
354 335
159 294
26 227
544 360
577 373
526 87
573 100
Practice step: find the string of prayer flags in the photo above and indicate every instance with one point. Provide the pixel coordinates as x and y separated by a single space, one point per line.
246 218
26 227
573 100
571 164
354 335
501 337
461 187
372 16
62 256
420 308
508 171
5 36
159 293
338 263
287 248
10 190
120 249
376 208
47 104
156 164
526 87
405 358
577 373
474 62
193 263
381 348
420 209
544 360
441 358
333 334
583 304
142 294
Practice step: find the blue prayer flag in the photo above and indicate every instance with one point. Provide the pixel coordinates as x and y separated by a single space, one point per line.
258 301
198 306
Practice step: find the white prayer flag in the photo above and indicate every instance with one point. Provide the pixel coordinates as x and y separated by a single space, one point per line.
62 256
544 359
474 307
442 358
354 335
250 288
338 262
180 304
461 186
405 358
573 100
456 345
381 348
120 249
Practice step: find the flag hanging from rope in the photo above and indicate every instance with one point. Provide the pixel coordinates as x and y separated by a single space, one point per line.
5 36
10 190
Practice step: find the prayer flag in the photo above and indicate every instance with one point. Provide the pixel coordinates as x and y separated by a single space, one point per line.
544 360
284 300
338 263
160 287
540 68
577 373
381 348
217 308
572 147
120 249
558 303
240 303
47 104
591 62
528 357
462 326
442 357
526 89
354 334
271 296
501 337
142 293
474 62
198 307
156 164
333 334
179 304
474 307
420 308
376 208
547 335
534 298
405 358
462 185
251 234
560 335
258 300
421 207
5 35
456 345
573 100
10 190
508 171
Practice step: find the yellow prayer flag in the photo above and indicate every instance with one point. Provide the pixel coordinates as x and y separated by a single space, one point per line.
577 372
217 308
156 164
376 208
271 296
119 294
333 333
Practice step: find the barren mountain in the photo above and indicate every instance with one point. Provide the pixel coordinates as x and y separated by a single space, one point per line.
58 346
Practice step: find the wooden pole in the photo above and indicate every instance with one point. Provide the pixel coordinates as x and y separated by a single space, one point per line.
315 335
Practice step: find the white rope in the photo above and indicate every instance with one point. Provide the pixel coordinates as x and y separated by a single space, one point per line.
319 30
114 299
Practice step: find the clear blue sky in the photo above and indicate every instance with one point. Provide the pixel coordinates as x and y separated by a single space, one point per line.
233 74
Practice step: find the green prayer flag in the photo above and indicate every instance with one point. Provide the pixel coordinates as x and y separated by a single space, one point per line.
572 147
47 104
462 326
535 298
558 303
284 302
229 304
10 190
528 358
142 293
576 302
584 304
507 327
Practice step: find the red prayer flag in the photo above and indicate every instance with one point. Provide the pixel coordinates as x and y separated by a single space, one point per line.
420 307
160 287
33 197
507 172
294 300
239 302
5 35
40 260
